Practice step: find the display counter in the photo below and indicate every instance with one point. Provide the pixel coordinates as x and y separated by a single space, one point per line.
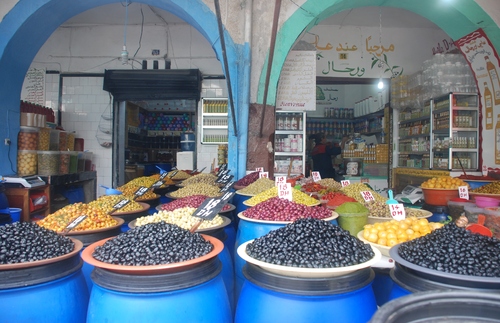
378 183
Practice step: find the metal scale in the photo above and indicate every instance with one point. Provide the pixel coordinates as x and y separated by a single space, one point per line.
410 195
27 181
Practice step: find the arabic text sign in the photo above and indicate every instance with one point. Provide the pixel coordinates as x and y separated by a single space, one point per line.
34 86
297 83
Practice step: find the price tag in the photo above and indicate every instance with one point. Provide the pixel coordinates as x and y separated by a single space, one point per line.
141 191
344 183
229 185
222 168
279 180
75 223
463 192
367 196
173 168
211 207
485 170
397 211
223 173
163 175
157 184
285 191
121 204
263 174
259 169
316 176
172 174
224 179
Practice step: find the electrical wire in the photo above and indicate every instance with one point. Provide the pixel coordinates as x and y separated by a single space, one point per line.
125 26
140 37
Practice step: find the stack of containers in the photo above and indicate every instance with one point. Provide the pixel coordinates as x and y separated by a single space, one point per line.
27 144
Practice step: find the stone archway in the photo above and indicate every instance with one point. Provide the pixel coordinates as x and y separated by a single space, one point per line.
27 26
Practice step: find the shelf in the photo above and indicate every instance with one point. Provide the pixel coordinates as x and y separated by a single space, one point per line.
415 119
214 142
464 129
374 132
288 153
414 152
415 136
441 131
215 114
215 127
288 132
369 116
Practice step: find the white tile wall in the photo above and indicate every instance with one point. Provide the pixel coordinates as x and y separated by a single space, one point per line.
207 153
83 103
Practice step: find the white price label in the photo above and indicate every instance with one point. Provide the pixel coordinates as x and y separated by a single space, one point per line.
485 170
463 192
259 169
279 180
344 183
263 174
397 211
316 176
285 191
367 196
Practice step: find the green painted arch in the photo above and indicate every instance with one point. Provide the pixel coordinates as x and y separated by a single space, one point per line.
459 19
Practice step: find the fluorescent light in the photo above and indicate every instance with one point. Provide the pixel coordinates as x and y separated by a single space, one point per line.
380 84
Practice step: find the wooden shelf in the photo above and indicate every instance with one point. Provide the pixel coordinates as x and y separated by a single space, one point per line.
20 198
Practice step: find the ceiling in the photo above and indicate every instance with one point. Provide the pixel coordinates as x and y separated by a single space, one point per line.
114 14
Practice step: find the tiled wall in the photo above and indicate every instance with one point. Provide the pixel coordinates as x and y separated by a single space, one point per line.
83 104
207 153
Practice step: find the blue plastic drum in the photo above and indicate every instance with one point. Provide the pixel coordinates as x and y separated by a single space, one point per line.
249 229
194 294
53 292
269 297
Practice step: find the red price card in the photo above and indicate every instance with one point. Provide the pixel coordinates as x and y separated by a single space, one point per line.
285 191
463 192
367 196
485 170
279 180
259 169
263 174
397 211
316 176
344 183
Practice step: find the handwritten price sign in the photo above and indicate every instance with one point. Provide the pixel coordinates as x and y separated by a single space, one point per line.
285 191
259 169
344 183
316 176
279 180
367 196
485 170
397 211
263 174
463 192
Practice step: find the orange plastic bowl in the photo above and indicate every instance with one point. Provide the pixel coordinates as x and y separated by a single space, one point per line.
439 196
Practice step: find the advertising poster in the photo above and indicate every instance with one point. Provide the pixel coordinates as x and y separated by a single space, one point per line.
484 63
297 84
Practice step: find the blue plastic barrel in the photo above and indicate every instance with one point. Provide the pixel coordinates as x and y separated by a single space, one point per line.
54 292
249 229
269 297
195 294
407 281
238 200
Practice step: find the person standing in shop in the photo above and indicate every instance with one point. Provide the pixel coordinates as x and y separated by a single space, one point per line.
321 155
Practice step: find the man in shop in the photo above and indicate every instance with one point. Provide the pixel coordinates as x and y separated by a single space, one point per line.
321 155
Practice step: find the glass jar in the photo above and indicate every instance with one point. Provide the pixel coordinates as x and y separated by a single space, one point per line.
48 163
26 162
27 139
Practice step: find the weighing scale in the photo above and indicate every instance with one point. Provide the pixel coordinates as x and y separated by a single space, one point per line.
27 181
410 195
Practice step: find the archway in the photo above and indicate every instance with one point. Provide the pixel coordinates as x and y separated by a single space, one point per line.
459 20
27 26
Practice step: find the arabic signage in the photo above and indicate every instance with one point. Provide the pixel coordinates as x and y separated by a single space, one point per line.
365 52
484 63
297 83
34 86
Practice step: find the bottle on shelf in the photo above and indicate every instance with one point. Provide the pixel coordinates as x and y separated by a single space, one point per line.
495 81
488 102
